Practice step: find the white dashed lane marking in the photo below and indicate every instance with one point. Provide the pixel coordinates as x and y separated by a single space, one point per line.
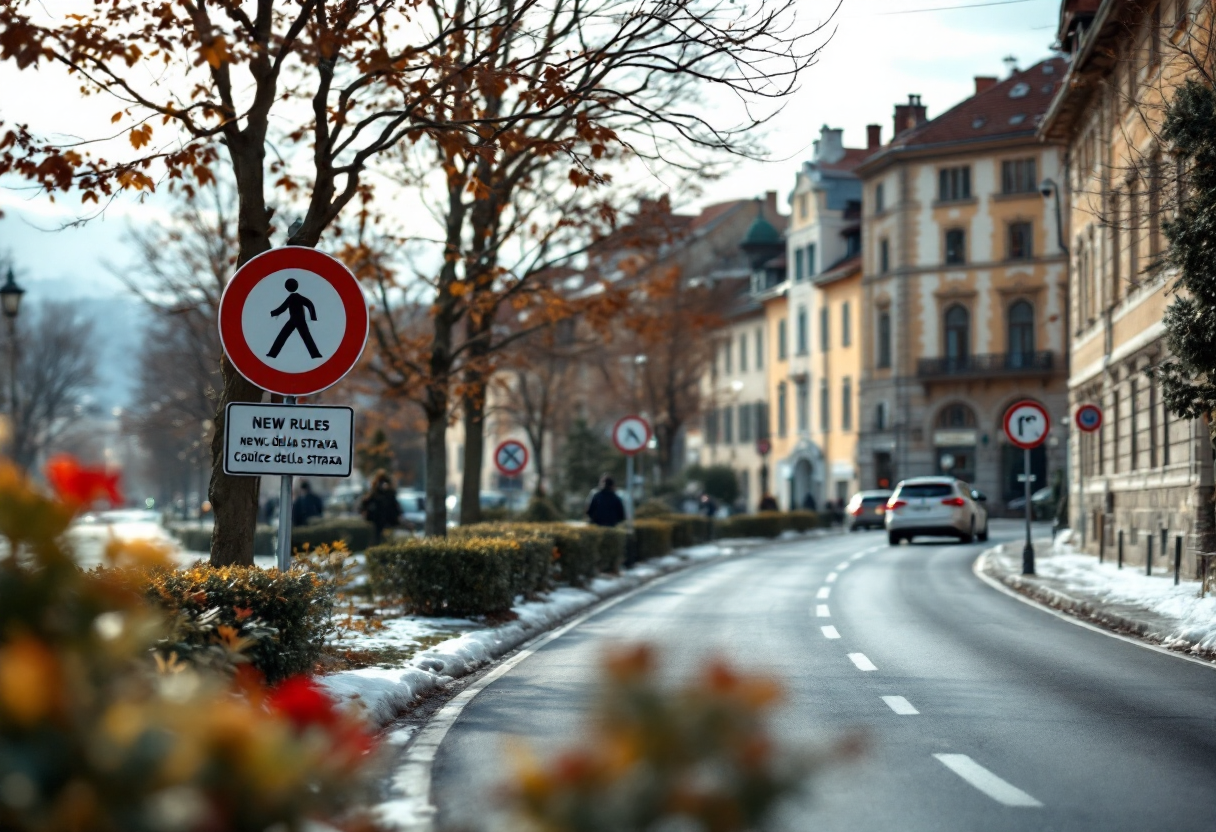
821 611
986 781
900 705
823 593
861 661
830 632
830 579
840 567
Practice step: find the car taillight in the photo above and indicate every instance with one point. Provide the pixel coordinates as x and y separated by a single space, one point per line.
856 511
879 510
894 504
957 502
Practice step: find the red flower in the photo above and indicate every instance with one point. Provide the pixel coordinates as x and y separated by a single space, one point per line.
302 701
79 485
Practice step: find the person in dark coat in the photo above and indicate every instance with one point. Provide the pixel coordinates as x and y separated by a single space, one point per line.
708 507
306 506
768 503
380 506
808 502
605 507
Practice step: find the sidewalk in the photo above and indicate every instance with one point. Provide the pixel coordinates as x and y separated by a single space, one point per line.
1127 600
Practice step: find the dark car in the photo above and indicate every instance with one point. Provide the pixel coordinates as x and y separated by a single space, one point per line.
866 509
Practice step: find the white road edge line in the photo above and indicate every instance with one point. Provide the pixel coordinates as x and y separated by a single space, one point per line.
821 611
412 778
830 632
831 578
978 569
986 781
823 593
900 705
840 567
861 661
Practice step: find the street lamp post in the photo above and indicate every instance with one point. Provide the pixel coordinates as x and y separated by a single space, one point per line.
10 301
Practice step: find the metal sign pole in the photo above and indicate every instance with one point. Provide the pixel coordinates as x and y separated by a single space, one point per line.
629 493
1028 550
284 547
1083 517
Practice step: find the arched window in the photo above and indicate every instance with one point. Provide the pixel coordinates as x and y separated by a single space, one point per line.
1021 334
884 339
956 416
958 337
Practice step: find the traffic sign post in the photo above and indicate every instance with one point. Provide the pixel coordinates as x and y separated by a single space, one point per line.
1088 419
293 321
510 458
1026 426
630 435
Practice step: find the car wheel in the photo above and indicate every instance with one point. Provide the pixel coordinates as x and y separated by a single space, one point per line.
983 536
967 537
893 538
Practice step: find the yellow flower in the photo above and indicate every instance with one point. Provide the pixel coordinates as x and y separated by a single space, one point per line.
29 680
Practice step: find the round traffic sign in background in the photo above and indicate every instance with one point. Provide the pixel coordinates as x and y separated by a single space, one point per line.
293 321
763 447
1026 424
1089 417
631 435
511 457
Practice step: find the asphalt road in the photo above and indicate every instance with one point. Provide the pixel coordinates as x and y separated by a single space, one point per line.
1022 721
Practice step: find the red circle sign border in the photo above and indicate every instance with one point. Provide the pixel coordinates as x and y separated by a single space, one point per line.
504 471
1082 409
622 421
1046 418
330 269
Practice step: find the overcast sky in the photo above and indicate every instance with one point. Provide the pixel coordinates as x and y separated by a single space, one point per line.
881 51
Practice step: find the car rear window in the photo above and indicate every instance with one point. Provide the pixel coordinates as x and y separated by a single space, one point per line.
927 490
873 501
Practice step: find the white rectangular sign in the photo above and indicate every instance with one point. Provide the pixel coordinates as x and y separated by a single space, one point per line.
284 439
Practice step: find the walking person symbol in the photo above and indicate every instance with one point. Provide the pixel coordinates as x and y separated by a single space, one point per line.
294 306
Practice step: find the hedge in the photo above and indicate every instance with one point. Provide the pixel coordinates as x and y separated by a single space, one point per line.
532 571
769 523
653 537
690 529
611 546
297 606
355 532
458 576
578 547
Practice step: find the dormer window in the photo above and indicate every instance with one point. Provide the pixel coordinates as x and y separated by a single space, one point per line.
1019 90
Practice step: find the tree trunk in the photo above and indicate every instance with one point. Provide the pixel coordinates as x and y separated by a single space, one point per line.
234 500
538 461
473 406
437 465
1205 513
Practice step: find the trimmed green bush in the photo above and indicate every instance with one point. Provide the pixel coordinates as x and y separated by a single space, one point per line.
764 524
577 546
653 537
541 510
296 605
690 529
804 521
611 544
533 570
448 576
653 508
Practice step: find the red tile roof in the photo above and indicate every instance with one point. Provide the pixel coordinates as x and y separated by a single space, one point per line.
845 268
1014 106
853 156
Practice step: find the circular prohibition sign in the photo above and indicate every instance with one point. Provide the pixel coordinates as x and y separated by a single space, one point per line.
511 458
1089 417
1027 424
316 343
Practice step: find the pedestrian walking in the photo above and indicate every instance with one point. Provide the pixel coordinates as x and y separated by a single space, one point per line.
709 507
380 506
306 506
605 507
808 502
768 503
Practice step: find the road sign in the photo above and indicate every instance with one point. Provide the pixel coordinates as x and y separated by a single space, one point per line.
1026 424
631 434
293 321
288 440
510 458
1089 417
763 447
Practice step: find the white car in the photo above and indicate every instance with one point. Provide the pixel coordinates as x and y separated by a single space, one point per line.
936 507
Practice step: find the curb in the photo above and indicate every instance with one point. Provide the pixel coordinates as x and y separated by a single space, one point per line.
1088 611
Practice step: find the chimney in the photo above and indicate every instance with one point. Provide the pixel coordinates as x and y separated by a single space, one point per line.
909 115
829 148
873 136
983 83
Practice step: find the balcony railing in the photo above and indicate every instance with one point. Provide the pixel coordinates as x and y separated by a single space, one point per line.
1000 364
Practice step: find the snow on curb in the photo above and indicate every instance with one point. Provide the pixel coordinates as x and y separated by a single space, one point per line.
386 693
1151 608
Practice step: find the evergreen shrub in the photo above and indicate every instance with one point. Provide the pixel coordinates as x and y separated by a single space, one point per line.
457 576
653 538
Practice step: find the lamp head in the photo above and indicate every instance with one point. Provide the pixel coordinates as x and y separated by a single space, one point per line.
1047 187
10 295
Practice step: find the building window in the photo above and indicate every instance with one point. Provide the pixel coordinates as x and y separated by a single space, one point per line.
711 427
825 340
1021 240
880 416
1021 334
958 336
726 357
825 406
799 265
852 243
956 246
802 393
804 337
1018 176
880 202
811 271
884 339
846 329
761 425
1152 423
1154 34
782 340
745 423
884 256
1133 429
846 404
954 184
1133 234
759 348
782 409
728 426
1165 433
742 353
956 416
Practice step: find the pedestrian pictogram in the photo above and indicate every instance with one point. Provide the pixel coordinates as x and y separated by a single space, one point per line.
1026 424
510 458
293 321
631 435
1089 417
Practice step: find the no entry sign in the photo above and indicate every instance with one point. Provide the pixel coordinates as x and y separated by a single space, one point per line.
283 439
631 434
1026 424
510 458
293 321
1089 417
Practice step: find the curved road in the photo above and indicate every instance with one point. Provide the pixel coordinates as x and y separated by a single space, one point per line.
983 713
